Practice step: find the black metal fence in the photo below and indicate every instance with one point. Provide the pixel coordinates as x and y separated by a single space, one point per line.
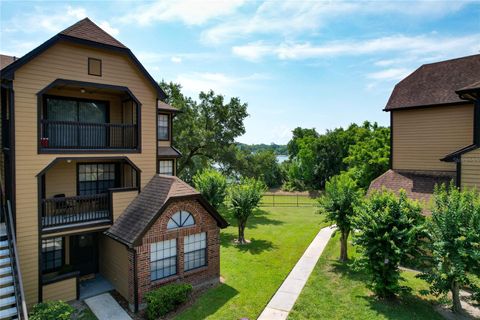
68 210
84 135
287 200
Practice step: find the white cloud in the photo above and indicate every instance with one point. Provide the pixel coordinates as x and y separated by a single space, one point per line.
229 85
413 46
108 28
190 12
289 18
176 59
389 74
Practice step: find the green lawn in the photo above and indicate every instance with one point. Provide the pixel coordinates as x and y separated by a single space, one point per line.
253 272
335 291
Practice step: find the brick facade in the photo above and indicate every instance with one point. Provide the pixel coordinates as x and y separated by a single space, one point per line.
204 222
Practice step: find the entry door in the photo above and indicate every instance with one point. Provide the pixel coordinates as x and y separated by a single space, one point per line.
84 253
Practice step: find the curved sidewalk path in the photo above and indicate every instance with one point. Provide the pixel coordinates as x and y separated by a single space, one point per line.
282 302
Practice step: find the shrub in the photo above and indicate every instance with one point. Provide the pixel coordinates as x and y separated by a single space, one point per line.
341 196
52 310
387 229
165 299
212 185
454 233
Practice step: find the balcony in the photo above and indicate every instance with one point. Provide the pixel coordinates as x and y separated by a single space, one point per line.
76 117
60 211
91 136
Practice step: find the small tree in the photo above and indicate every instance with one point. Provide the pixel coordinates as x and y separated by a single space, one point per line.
341 196
244 198
212 185
388 230
454 233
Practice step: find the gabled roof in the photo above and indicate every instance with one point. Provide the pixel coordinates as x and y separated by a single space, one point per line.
454 156
86 29
418 186
435 83
87 33
145 209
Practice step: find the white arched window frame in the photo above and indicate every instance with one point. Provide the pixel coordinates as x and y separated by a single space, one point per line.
180 219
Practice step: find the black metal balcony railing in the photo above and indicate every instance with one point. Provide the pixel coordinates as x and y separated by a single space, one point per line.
72 210
85 135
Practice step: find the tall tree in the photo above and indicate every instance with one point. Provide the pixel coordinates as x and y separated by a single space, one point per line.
454 232
212 185
204 128
244 198
297 134
341 196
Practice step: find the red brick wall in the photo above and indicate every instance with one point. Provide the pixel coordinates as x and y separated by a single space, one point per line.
158 232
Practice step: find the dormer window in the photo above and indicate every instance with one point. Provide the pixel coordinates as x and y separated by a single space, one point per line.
163 127
180 219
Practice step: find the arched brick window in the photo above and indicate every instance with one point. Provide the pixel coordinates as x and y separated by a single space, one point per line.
181 219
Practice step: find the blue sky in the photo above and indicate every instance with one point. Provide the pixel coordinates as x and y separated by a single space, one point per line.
320 64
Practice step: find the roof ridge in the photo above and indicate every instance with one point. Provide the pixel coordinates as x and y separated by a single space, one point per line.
452 59
89 30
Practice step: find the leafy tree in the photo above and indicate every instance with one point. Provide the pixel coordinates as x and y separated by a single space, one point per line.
454 233
212 185
370 157
341 196
299 133
388 229
244 198
204 128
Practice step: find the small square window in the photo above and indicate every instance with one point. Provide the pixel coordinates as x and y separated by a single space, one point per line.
165 167
94 67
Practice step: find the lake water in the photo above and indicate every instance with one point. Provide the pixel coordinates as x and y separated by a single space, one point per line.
281 158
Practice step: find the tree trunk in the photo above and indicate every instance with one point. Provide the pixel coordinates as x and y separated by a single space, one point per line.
457 306
241 232
344 245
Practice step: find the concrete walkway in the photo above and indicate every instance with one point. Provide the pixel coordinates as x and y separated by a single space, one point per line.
106 308
284 299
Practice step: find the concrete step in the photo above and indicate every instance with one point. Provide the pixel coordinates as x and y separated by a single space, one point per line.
7 291
4 244
5 271
5 261
6 280
7 301
3 230
4 252
8 313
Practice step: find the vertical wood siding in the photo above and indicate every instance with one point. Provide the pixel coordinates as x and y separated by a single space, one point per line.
421 137
471 169
66 61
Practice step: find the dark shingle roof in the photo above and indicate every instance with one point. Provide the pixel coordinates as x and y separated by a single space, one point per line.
5 60
454 156
435 83
168 152
87 30
146 207
162 106
418 186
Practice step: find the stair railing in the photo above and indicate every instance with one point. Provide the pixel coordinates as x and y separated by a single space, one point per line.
21 305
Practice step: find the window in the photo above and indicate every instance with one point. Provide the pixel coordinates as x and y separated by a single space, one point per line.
163 259
165 167
96 178
62 113
163 127
195 252
180 219
52 254
94 67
